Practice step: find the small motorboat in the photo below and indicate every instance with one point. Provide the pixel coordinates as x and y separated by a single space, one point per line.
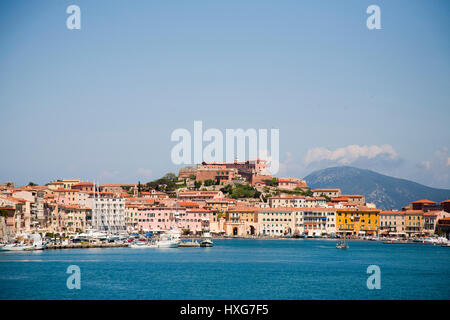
206 240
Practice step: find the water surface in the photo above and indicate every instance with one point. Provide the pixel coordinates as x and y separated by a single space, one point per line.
232 269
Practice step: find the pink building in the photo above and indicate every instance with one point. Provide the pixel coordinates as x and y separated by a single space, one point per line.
157 218
194 220
165 218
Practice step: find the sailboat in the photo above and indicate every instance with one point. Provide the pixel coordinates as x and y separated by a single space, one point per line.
342 244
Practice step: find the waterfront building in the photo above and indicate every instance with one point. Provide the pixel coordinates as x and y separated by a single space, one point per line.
35 195
241 220
73 218
108 212
158 218
278 221
431 219
18 218
21 220
358 221
319 221
193 220
414 223
443 226
392 223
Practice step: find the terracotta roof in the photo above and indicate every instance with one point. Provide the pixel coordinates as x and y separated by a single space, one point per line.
423 201
392 212
188 204
413 211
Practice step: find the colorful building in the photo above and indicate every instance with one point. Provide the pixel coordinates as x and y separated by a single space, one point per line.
360 221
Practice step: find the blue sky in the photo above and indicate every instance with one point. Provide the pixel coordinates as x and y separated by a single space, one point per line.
101 102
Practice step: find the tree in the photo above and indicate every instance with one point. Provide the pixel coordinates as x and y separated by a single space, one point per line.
166 184
227 189
31 184
271 182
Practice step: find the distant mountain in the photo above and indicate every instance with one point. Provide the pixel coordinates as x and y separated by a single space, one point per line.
385 191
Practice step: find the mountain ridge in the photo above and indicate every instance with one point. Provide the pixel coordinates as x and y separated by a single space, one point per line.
385 191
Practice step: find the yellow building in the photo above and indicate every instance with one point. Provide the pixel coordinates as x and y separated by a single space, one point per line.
242 221
358 221
414 222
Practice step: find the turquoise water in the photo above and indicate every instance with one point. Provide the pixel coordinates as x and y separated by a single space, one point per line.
232 269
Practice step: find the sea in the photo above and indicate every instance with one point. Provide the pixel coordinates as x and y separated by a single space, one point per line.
232 269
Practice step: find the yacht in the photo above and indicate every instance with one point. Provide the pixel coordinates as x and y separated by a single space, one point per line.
206 240
169 239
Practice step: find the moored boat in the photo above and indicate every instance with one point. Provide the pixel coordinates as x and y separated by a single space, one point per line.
206 240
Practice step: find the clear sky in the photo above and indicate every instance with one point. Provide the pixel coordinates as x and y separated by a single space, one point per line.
101 102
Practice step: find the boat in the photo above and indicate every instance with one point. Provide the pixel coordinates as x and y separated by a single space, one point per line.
35 240
317 234
15 247
142 245
206 240
169 239
342 244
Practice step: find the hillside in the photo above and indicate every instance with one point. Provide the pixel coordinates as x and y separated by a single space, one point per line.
385 191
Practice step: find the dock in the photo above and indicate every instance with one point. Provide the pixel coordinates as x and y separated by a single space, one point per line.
85 245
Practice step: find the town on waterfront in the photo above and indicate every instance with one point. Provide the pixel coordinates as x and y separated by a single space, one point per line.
239 199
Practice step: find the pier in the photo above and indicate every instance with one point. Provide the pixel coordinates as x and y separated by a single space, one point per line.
85 245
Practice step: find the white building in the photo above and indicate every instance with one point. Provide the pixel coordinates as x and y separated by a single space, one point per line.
108 212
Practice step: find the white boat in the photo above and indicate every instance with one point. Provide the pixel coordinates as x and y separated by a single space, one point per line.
15 247
206 240
35 240
142 245
169 239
